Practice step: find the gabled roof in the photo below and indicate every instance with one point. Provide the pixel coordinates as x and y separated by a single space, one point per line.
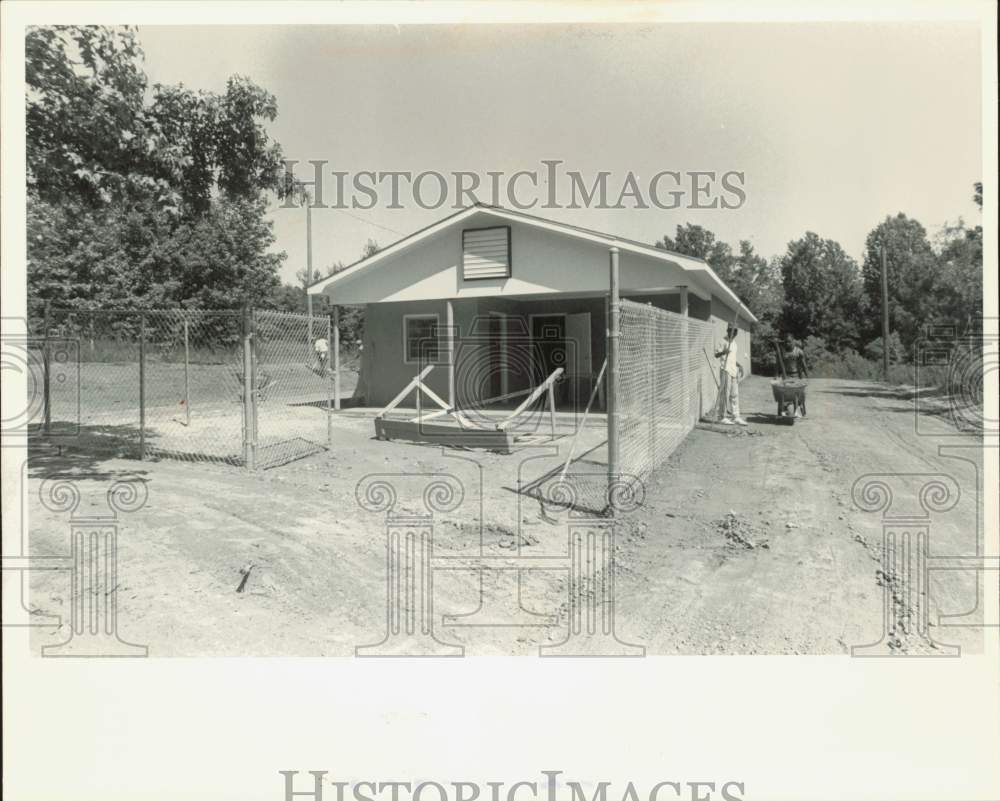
686 263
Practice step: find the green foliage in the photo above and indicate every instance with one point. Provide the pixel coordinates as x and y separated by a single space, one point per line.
754 279
141 196
822 292
818 294
92 132
694 240
959 288
292 298
874 349
109 257
911 267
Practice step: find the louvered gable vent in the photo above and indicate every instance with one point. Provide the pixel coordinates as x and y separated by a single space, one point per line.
486 253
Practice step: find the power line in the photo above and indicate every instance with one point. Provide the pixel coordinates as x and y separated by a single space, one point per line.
369 222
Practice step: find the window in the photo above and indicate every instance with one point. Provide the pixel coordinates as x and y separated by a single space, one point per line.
420 339
486 253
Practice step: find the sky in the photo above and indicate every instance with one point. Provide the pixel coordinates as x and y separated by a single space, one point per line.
834 126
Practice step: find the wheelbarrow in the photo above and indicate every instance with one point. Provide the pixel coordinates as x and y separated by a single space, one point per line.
790 395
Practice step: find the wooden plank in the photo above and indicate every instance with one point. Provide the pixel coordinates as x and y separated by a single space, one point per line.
431 415
530 399
414 383
443 434
434 396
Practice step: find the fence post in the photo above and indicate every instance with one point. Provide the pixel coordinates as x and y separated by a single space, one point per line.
46 395
187 378
336 357
256 394
614 310
142 386
686 355
248 389
651 322
449 324
329 400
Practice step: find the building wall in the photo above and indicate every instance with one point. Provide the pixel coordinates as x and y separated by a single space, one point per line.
699 308
542 262
384 370
545 264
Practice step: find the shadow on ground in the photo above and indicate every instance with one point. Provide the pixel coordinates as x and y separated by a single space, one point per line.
932 402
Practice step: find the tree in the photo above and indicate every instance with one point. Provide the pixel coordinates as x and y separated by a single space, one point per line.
143 196
822 293
84 258
911 267
749 275
292 298
694 240
754 279
960 272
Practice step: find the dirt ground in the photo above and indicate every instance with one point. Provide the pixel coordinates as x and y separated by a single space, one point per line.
748 540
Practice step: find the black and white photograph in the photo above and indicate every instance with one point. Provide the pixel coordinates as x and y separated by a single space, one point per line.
355 346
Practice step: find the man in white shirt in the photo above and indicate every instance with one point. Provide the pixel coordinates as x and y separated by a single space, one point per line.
729 387
322 348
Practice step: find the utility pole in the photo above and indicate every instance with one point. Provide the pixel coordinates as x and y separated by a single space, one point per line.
885 318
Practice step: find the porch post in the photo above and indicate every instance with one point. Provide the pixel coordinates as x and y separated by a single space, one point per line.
685 353
613 335
449 324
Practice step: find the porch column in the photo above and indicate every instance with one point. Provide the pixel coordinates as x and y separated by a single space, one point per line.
685 353
614 307
449 324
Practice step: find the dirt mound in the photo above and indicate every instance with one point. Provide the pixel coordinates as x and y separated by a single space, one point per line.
740 533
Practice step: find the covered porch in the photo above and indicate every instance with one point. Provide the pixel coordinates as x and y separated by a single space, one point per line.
488 352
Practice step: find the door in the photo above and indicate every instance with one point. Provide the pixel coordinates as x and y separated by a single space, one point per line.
579 362
548 337
498 383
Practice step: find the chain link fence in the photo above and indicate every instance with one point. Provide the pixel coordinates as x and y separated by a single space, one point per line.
665 378
240 388
664 381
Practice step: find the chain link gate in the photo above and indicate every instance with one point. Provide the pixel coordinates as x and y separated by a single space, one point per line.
217 386
293 381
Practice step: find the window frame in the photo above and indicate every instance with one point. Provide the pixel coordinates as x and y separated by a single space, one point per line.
406 337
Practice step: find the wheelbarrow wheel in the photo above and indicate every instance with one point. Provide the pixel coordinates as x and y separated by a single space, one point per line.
781 409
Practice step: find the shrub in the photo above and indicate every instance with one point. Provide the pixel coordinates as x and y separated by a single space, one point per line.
873 350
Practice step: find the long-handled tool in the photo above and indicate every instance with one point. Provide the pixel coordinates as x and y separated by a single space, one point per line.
781 362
